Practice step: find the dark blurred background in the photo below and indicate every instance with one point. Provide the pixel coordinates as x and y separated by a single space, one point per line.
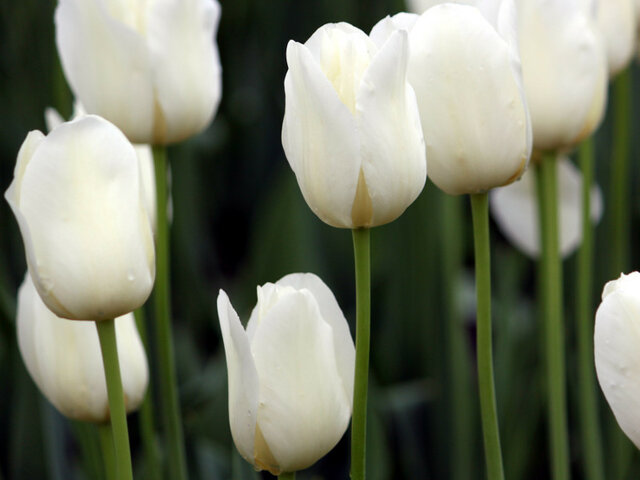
241 221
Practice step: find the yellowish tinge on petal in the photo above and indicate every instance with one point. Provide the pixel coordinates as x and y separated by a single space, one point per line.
263 458
362 210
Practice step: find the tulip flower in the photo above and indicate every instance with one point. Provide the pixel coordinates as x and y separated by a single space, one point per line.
617 351
465 70
565 71
351 129
77 196
143 152
290 374
616 20
515 210
151 68
63 358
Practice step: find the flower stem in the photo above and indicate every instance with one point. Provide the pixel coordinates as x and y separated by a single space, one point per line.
287 476
621 448
550 288
120 432
363 326
177 468
146 415
460 394
588 406
108 454
486 384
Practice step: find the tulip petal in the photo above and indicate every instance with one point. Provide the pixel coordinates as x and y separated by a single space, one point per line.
303 409
63 358
474 117
180 35
617 356
332 314
89 256
243 379
392 145
382 30
515 210
320 139
107 65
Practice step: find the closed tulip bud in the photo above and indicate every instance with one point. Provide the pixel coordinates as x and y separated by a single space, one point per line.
515 210
565 71
351 129
151 68
616 21
617 351
63 358
77 195
465 70
290 374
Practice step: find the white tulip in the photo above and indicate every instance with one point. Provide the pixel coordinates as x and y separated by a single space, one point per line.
143 152
290 374
465 70
565 70
77 195
63 358
616 20
152 68
351 129
617 351
515 210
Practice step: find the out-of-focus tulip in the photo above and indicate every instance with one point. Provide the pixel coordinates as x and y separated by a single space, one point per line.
143 152
151 68
77 195
617 351
351 129
290 374
565 70
616 20
63 358
465 70
515 210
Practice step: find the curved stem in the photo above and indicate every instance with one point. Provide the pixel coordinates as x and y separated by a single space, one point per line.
120 431
108 454
550 287
486 384
177 467
363 327
587 400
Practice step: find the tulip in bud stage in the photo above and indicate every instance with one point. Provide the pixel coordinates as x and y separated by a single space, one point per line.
290 374
616 20
77 195
63 358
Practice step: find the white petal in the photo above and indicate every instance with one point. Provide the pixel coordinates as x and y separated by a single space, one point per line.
473 114
617 356
52 118
392 145
63 358
107 66
515 210
320 139
243 379
617 22
148 177
332 314
88 239
186 65
382 30
303 409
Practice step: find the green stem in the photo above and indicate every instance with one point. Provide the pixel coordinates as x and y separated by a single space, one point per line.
587 400
145 418
460 393
177 467
552 312
621 449
287 476
486 384
107 335
363 326
108 454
